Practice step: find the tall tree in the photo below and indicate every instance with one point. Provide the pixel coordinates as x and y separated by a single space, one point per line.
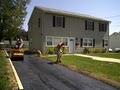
12 16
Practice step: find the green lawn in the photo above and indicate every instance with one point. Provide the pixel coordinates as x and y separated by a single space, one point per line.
4 81
102 69
108 55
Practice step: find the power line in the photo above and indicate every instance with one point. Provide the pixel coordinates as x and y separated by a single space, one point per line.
113 16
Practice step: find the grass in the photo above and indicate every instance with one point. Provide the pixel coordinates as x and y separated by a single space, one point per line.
99 68
4 81
108 55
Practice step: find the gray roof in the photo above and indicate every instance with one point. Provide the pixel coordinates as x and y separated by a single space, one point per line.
115 34
67 13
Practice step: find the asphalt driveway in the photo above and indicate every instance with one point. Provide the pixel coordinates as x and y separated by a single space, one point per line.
40 74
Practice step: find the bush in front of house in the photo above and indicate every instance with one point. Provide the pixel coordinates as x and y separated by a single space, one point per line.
86 50
94 50
52 50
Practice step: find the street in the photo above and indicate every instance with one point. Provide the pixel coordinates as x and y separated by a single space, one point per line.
40 74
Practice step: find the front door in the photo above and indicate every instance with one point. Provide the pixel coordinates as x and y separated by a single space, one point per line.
71 45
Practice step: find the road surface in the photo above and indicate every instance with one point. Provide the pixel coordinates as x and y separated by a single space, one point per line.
40 74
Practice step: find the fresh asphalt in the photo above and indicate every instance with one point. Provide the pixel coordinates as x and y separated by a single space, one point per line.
39 74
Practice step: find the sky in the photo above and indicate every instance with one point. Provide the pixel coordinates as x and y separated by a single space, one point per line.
105 9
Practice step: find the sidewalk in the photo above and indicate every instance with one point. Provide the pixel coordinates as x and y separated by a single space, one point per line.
100 58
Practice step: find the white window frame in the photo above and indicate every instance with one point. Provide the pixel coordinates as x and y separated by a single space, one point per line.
53 42
47 40
105 42
87 40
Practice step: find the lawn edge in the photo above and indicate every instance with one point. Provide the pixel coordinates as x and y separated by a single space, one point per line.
20 86
92 75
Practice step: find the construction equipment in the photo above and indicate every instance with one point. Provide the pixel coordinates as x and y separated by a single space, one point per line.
17 53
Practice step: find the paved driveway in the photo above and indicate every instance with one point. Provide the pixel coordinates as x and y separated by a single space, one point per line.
39 74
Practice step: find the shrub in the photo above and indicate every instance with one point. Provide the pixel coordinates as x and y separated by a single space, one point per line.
104 50
97 50
86 50
52 50
94 50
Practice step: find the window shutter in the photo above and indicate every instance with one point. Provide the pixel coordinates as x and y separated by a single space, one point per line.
99 26
38 22
53 21
81 42
93 42
103 43
105 27
93 26
85 25
63 22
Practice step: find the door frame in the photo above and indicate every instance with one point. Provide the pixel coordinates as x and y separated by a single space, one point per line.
73 44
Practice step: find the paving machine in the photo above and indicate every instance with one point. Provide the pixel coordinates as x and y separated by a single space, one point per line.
17 53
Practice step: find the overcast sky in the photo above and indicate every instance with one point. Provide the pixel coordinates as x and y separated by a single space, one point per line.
106 9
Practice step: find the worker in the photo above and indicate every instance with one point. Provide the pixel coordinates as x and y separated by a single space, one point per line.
19 43
59 51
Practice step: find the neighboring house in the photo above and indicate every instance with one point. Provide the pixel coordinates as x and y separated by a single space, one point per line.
47 27
114 41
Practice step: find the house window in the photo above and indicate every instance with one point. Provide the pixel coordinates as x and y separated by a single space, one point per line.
30 40
29 26
49 40
105 43
38 22
58 21
57 40
65 40
87 42
89 25
53 41
102 27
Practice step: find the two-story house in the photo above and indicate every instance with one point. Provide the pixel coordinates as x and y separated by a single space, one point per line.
47 27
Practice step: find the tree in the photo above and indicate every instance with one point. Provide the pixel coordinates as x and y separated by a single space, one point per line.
12 15
24 34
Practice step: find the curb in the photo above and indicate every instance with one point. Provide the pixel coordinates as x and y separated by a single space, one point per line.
20 86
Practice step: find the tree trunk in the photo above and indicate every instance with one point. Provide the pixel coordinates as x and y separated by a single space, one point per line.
1 35
10 41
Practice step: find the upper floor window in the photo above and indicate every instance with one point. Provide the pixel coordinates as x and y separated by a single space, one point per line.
58 21
102 27
89 25
38 22
30 26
